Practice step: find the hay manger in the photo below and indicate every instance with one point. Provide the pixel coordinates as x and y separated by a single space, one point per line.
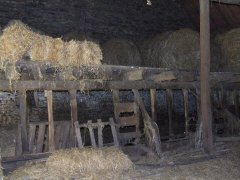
121 52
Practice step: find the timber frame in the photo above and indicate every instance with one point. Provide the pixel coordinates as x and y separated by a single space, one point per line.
107 77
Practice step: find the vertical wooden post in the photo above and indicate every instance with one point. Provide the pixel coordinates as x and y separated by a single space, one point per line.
204 76
48 94
153 104
169 94
186 106
23 117
236 97
74 115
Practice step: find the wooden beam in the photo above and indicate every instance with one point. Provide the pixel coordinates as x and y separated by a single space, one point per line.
74 115
23 119
205 76
48 94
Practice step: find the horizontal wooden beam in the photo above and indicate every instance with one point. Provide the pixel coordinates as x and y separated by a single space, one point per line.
237 2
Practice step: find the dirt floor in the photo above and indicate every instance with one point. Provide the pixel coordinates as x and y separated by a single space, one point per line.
182 163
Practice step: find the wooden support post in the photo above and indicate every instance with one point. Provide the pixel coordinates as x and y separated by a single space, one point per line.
91 132
186 106
40 138
23 117
153 104
32 132
100 135
48 94
169 95
236 98
74 115
204 76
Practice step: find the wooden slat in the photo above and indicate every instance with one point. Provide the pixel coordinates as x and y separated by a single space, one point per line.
236 102
152 130
57 136
125 107
32 133
91 132
66 133
153 104
23 119
169 98
128 120
40 138
100 135
48 94
186 106
114 132
78 135
74 114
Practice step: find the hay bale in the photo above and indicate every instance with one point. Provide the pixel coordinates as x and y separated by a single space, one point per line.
121 52
174 50
229 44
77 164
15 41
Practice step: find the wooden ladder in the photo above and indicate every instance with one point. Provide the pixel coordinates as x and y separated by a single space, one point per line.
127 117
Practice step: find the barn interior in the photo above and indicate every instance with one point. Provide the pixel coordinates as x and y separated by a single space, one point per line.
140 89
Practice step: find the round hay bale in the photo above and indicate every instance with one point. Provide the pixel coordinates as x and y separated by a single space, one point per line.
174 50
121 52
229 44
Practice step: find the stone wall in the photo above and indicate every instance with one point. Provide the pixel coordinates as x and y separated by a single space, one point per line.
101 19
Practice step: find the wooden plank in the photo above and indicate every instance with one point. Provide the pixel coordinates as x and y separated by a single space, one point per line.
66 133
32 134
40 138
205 76
186 107
78 135
151 128
48 94
153 104
23 119
169 95
114 132
57 135
74 114
100 134
91 132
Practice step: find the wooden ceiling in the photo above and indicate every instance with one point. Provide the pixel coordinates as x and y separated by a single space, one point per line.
223 16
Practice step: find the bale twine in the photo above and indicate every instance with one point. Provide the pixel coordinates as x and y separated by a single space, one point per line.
229 44
76 163
175 50
121 52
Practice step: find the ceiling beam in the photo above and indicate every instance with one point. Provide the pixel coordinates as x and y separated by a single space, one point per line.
237 2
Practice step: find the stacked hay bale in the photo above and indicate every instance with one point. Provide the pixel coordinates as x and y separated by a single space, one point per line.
229 44
175 50
18 40
121 52
78 163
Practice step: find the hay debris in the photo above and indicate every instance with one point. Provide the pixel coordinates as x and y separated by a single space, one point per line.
99 163
75 162
229 44
121 52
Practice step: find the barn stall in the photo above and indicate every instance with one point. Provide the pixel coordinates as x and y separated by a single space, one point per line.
84 79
